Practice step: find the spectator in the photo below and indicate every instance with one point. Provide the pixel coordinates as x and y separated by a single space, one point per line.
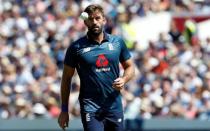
173 77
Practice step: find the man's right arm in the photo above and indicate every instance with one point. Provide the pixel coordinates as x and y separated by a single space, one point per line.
68 73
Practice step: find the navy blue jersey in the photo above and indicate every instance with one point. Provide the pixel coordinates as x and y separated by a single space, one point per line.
98 67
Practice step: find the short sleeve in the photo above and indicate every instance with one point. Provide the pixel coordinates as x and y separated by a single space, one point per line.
70 57
124 54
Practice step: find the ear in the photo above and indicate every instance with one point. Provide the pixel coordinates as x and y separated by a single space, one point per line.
104 21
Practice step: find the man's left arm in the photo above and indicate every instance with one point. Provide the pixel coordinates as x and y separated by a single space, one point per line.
129 72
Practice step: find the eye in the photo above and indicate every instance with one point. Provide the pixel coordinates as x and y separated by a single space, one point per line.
98 18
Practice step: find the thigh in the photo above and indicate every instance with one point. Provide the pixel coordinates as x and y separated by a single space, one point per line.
114 121
91 122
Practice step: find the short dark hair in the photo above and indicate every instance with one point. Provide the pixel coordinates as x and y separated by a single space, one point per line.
94 7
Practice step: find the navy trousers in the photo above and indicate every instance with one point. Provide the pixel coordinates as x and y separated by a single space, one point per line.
102 121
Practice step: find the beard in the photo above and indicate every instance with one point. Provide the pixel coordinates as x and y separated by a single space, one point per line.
96 30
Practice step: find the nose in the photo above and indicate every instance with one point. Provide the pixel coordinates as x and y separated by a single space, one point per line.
94 21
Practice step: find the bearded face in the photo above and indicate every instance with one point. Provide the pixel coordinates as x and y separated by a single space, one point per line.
95 23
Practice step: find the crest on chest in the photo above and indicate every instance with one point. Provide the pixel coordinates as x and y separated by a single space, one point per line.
110 46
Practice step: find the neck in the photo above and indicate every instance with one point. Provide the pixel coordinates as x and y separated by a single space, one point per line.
97 38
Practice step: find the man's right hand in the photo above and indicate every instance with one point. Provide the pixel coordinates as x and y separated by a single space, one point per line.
63 120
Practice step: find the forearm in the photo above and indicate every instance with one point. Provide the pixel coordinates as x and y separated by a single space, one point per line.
68 73
128 67
128 73
65 90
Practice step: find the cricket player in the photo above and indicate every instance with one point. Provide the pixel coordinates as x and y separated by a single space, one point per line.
96 57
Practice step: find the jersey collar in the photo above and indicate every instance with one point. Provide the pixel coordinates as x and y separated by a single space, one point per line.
106 37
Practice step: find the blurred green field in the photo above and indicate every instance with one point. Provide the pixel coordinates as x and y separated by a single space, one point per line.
157 124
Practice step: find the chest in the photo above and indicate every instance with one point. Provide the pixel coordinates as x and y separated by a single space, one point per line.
99 55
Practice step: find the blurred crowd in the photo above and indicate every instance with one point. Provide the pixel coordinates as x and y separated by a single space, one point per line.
172 74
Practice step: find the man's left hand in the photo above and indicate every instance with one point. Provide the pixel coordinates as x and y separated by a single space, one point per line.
118 83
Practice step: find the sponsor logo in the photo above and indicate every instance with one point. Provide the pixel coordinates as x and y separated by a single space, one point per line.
102 63
102 69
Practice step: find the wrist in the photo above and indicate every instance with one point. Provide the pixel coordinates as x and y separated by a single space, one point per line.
124 79
64 108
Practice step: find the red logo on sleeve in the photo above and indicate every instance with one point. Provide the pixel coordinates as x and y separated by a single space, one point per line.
102 61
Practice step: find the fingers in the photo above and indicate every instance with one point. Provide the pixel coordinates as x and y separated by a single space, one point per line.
63 123
67 124
118 87
64 128
117 80
118 83
63 120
